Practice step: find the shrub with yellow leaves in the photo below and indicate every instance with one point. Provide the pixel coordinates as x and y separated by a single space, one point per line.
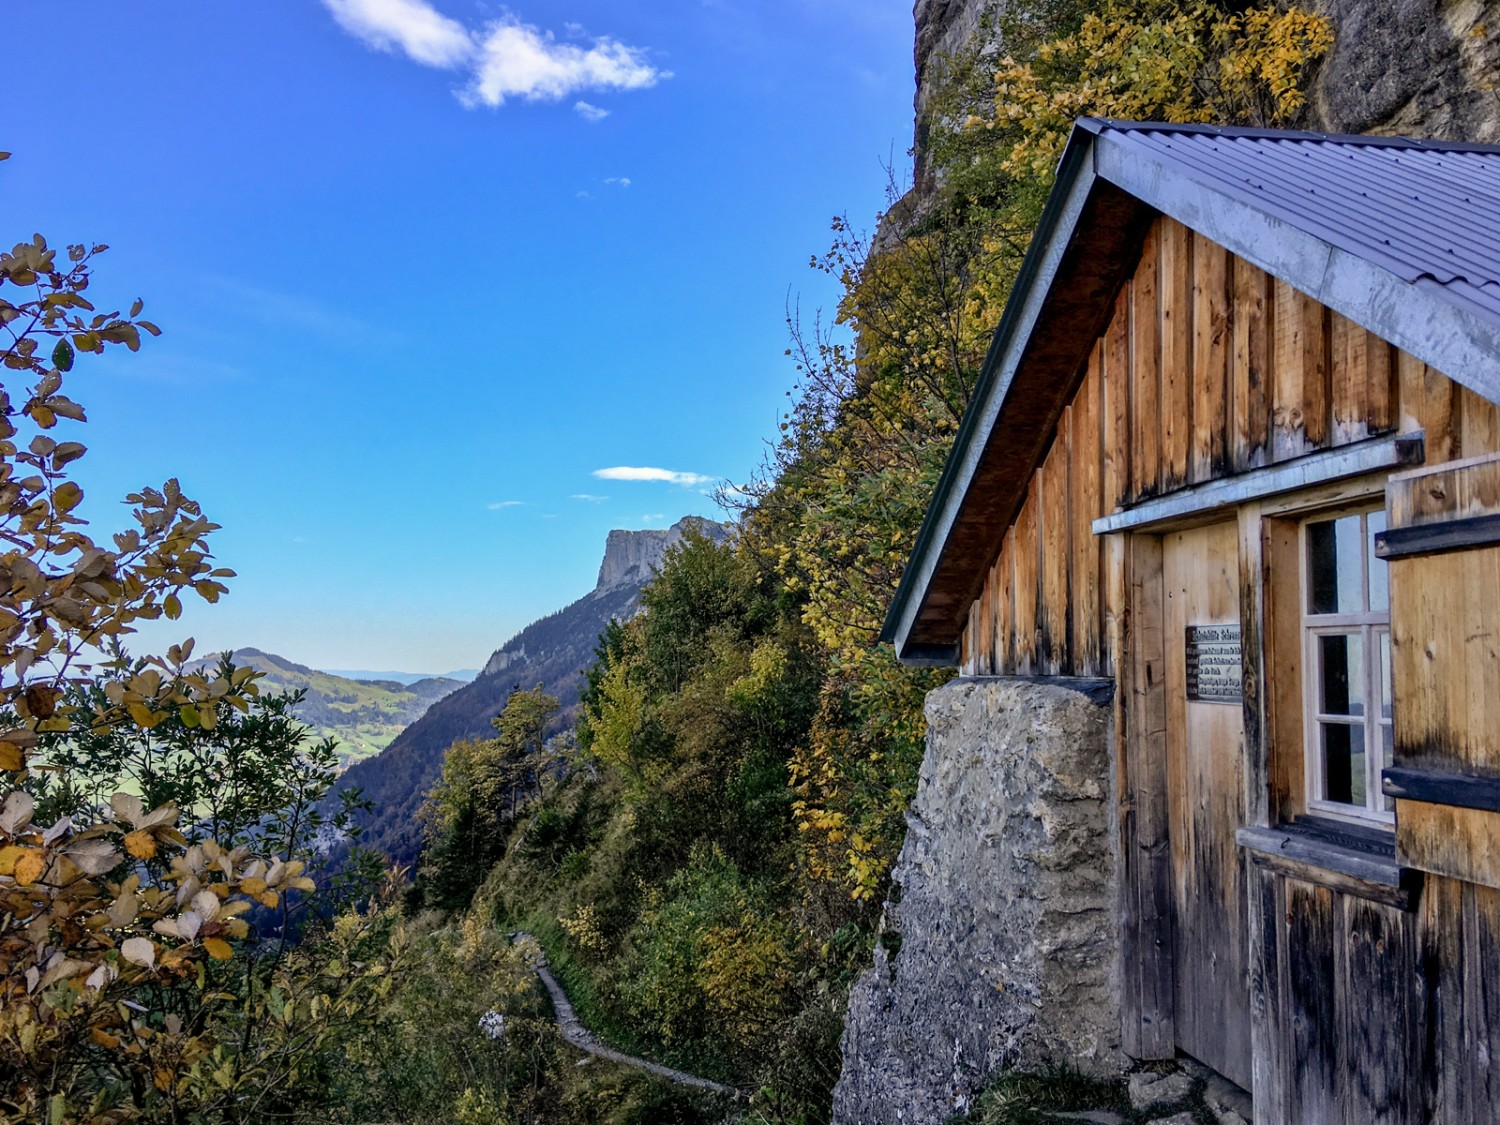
116 932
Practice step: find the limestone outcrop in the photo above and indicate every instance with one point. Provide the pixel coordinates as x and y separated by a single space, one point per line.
633 556
999 945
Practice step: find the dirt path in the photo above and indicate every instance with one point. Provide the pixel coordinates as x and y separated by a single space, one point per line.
578 1035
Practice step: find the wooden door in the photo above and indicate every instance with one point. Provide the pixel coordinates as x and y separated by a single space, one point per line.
1205 748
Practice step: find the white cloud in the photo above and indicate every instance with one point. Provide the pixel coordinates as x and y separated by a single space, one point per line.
517 60
412 26
671 476
655 517
618 181
499 504
589 497
505 58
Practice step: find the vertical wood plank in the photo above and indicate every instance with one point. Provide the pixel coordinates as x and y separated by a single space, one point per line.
1211 347
1482 1001
1250 369
1349 347
1288 432
1176 353
1120 644
1282 667
984 651
1024 605
1384 1040
1299 408
1268 1030
1380 385
1428 403
1056 658
1145 371
1084 507
1479 424
1115 404
1000 578
1441 914
1253 655
1316 1062
1148 797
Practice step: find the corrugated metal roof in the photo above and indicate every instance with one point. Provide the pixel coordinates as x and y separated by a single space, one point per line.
1428 212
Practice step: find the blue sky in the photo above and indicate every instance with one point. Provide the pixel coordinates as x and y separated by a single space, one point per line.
425 267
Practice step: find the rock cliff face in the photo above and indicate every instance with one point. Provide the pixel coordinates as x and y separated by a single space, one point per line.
1420 68
999 946
633 556
1425 68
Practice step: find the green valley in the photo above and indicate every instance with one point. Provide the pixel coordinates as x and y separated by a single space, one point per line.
363 716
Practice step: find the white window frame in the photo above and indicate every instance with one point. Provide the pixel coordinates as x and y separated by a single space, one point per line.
1368 626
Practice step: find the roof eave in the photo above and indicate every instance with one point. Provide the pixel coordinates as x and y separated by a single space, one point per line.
1075 181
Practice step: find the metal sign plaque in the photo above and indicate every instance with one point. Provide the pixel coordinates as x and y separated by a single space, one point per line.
1214 664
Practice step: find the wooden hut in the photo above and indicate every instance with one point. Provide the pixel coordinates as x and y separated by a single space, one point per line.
1236 447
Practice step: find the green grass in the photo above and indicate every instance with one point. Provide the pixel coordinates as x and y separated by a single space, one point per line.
1018 1098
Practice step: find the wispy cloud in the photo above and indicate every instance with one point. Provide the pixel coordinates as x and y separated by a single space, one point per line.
618 181
413 27
499 504
670 476
505 58
654 517
589 497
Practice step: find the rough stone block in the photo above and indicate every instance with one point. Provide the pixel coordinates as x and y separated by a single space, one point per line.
1008 952
1147 1091
1229 1104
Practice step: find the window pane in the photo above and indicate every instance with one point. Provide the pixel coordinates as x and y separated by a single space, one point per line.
1385 675
1341 677
1380 590
1344 762
1388 752
1335 553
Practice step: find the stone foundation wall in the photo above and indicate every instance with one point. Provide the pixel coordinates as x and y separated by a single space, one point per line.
1000 945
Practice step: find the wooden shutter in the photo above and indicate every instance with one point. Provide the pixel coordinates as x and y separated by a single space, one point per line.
1443 546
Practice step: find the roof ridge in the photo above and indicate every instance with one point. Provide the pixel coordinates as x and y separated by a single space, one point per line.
1098 125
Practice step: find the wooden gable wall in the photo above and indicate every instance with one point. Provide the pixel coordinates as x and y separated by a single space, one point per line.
1208 367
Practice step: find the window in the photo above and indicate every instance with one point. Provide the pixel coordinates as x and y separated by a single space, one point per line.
1346 627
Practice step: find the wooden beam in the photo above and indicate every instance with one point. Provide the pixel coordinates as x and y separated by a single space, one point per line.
1435 538
1313 469
1149 943
1443 787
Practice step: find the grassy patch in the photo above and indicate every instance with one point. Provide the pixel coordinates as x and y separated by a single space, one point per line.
1018 1098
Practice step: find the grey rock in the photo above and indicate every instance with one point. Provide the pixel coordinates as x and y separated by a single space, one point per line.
1091 1117
633 556
1229 1104
1002 919
1196 1070
1422 68
1176 1119
1147 1091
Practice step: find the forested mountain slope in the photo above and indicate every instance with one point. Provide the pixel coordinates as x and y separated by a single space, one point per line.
552 652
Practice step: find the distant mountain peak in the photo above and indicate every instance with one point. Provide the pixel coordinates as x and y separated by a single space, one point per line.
632 557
